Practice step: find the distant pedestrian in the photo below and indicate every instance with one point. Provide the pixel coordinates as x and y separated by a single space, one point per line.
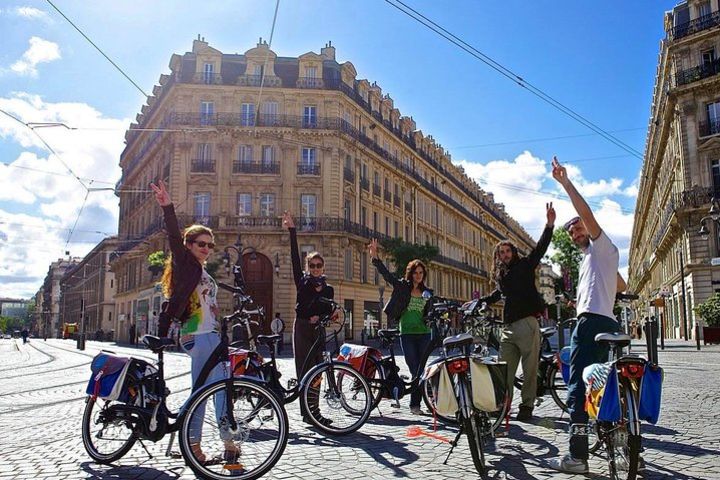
277 327
133 334
639 331
24 335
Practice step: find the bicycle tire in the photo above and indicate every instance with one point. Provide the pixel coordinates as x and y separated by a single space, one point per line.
376 382
556 385
252 432
337 401
88 438
623 460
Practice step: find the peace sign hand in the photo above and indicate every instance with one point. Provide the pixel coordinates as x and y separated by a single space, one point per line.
559 172
161 194
550 212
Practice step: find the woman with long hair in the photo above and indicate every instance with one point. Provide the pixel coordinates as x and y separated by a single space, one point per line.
192 302
515 282
311 286
406 307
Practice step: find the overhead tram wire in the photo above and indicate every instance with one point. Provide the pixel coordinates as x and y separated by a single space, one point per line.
98 49
423 20
535 140
267 57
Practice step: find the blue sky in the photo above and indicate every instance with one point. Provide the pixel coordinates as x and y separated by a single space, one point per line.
597 58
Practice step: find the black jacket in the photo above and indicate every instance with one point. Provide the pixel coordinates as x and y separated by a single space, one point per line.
400 297
518 284
307 303
186 273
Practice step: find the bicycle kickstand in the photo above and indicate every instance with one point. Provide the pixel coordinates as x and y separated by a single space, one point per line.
453 444
168 451
146 450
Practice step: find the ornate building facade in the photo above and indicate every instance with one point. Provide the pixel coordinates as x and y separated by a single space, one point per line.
680 173
240 138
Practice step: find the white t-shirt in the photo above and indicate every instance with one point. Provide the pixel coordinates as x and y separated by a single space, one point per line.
202 305
598 277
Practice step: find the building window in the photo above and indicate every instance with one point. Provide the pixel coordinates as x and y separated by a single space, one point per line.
348 264
268 155
704 8
375 221
363 267
209 73
247 114
708 57
363 216
204 152
267 205
309 119
270 113
201 206
305 250
258 70
245 154
311 72
713 117
308 211
347 211
244 204
308 162
207 113
715 169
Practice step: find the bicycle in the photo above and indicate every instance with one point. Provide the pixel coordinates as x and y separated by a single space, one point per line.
346 403
620 438
482 328
139 412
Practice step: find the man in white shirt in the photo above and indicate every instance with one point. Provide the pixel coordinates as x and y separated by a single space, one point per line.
598 283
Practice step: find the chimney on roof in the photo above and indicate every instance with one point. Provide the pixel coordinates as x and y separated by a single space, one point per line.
328 51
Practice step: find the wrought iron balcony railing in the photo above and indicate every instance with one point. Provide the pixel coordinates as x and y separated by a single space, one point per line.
202 165
308 169
349 175
365 184
693 26
694 74
240 166
710 127
376 189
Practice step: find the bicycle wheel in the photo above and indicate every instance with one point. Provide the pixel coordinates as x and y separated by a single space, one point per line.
214 450
557 387
107 434
375 380
621 445
336 398
473 431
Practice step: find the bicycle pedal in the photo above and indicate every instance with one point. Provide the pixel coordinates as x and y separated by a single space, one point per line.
234 466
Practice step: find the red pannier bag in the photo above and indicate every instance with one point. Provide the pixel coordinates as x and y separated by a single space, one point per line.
245 362
357 356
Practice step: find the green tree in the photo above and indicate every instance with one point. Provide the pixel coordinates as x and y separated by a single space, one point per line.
8 324
400 253
709 310
567 255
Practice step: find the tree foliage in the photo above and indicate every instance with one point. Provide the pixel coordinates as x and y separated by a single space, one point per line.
8 324
709 310
400 253
157 259
567 255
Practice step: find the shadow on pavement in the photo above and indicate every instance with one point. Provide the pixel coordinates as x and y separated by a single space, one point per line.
128 471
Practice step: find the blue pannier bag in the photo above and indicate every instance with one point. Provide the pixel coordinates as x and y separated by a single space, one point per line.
610 403
650 393
107 380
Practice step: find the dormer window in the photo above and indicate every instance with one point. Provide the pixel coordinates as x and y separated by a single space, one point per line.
208 73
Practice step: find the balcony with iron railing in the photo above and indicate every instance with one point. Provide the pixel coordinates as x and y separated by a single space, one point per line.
256 168
365 184
408 207
396 200
694 26
376 189
211 221
310 82
690 75
258 80
349 175
207 78
253 222
696 197
202 165
308 169
387 196
711 127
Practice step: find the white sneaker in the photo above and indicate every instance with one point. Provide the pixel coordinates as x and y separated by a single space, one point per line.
568 464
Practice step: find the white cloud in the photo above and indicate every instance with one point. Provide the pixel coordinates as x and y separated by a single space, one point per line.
40 51
30 13
38 184
524 185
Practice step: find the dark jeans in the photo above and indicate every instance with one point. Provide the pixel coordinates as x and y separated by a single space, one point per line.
308 349
414 346
584 352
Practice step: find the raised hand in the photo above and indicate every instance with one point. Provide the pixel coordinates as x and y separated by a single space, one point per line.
559 172
550 212
372 248
161 194
287 220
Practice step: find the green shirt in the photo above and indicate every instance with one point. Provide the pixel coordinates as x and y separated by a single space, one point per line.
411 320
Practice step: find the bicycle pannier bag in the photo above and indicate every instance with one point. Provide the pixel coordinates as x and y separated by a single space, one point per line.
650 393
357 355
565 364
244 362
107 380
445 401
602 392
483 390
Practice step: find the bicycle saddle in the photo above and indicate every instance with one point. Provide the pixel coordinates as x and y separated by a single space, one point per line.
268 339
388 333
619 339
457 341
157 344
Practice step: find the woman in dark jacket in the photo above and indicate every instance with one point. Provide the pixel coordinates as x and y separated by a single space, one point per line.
192 301
515 280
406 306
311 286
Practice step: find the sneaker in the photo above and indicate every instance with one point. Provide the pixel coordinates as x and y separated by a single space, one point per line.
568 464
416 410
525 414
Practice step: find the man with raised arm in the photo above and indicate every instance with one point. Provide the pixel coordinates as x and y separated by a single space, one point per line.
598 283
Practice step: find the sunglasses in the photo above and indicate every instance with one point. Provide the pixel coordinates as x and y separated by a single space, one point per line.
315 265
203 244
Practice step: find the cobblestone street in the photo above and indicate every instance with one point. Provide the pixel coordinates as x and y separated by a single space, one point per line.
42 388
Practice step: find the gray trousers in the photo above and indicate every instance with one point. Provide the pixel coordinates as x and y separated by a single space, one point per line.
520 342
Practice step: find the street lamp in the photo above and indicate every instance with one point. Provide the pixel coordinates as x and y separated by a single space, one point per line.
713 214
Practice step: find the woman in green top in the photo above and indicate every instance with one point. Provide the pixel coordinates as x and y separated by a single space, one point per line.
407 304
